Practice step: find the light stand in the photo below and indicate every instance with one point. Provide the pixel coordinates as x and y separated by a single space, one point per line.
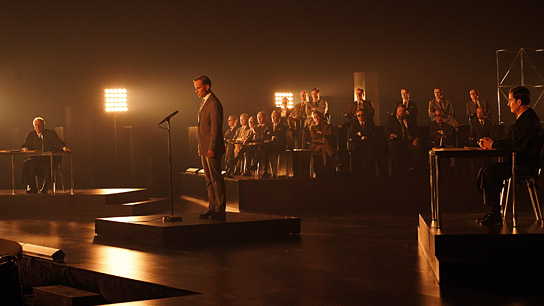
170 218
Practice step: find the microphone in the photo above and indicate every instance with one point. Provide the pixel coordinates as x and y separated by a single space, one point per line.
168 117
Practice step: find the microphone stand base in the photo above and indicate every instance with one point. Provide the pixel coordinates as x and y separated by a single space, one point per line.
172 219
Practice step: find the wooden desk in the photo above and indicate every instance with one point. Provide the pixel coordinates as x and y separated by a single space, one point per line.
436 153
14 153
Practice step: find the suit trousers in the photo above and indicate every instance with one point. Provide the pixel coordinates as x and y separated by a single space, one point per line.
490 183
214 183
37 166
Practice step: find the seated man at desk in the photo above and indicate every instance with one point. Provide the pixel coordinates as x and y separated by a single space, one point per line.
524 138
42 140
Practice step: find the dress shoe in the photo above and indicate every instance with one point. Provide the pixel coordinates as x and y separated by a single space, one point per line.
483 218
44 189
31 191
219 216
206 215
492 219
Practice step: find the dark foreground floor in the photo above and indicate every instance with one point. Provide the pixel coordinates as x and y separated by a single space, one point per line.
338 260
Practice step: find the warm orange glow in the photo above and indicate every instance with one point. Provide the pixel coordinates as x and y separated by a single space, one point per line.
116 100
280 95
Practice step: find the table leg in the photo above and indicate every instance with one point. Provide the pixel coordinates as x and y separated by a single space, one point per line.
514 216
71 176
437 191
51 177
12 174
431 183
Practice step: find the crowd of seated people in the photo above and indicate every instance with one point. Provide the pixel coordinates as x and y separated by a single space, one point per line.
254 146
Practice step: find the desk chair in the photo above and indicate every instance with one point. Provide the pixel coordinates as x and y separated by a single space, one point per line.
531 182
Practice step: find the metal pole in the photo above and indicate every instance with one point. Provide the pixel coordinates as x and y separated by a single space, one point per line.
514 208
522 52
116 150
498 88
170 218
170 170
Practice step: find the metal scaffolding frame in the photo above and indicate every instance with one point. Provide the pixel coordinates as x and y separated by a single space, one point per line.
521 57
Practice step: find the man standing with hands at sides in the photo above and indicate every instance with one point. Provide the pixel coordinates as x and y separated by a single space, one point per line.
211 147
524 138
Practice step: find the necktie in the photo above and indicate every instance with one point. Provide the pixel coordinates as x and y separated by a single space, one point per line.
404 132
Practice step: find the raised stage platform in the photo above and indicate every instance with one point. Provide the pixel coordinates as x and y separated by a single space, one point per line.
464 252
194 231
84 202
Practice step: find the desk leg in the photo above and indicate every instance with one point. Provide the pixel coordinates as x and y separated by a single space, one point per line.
514 216
71 176
431 183
51 177
437 191
12 174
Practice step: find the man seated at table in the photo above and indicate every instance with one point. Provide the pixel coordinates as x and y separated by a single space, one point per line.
525 138
42 140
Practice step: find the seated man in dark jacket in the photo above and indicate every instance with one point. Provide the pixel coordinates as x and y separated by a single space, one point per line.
481 127
525 138
403 142
275 140
361 134
42 140
440 132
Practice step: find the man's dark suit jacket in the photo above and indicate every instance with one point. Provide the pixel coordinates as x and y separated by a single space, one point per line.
447 138
51 141
280 134
471 108
479 131
368 110
365 130
393 127
411 112
210 127
525 138
230 134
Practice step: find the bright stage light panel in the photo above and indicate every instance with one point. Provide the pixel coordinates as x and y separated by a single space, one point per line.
280 95
116 100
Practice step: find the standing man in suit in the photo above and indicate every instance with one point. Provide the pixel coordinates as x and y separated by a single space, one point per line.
476 102
211 147
524 138
444 107
44 140
363 104
411 106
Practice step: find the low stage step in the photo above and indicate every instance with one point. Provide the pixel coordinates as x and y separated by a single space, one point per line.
464 252
65 296
139 208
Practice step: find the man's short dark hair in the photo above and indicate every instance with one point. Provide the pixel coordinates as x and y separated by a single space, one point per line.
318 113
406 89
205 80
362 90
521 93
400 105
315 89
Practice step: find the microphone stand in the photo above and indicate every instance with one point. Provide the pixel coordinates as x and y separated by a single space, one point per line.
170 218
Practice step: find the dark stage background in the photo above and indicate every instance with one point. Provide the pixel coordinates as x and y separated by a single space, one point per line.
57 57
